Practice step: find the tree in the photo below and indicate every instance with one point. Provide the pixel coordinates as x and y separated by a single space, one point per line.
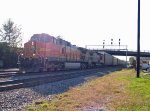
8 55
11 34
132 61
10 43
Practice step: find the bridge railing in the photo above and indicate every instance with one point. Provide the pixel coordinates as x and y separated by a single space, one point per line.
129 50
112 48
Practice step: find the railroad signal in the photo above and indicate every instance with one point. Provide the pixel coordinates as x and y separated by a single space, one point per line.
119 42
103 44
111 41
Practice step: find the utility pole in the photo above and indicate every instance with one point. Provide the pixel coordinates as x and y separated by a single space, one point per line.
138 42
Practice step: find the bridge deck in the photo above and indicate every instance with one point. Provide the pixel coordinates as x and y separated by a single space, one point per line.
124 53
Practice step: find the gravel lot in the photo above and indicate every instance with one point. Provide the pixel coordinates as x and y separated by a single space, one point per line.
16 99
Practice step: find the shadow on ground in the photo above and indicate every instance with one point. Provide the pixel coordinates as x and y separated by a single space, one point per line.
64 85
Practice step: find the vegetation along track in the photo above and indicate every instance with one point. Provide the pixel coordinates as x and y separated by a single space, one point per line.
22 83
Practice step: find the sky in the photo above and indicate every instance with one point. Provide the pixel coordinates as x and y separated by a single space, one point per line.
81 22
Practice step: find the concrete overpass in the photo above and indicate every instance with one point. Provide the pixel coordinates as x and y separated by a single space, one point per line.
124 52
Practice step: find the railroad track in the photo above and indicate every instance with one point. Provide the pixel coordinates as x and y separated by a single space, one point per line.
5 75
30 82
21 83
17 74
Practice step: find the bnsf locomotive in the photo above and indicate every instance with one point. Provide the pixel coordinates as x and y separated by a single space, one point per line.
47 53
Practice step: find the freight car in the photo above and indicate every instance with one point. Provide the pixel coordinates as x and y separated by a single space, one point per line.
47 53
109 60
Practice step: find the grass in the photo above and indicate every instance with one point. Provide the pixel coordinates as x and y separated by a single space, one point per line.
138 94
119 91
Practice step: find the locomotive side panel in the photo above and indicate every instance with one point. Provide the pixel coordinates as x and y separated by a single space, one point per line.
72 65
27 50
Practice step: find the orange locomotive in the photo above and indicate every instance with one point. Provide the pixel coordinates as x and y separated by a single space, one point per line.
45 53
46 46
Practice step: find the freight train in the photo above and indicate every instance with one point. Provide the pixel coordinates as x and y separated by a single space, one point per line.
47 53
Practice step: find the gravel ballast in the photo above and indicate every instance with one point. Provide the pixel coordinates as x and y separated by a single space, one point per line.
15 100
